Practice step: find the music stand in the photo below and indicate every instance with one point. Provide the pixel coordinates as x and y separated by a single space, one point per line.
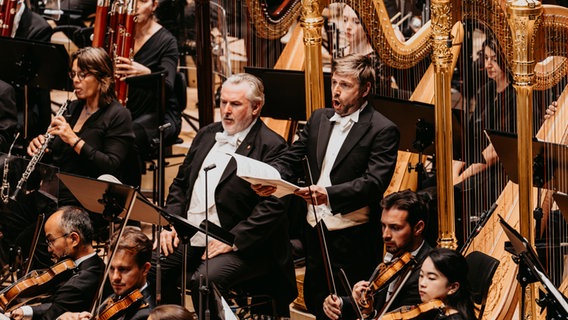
34 64
417 117
285 92
544 153
531 270
112 200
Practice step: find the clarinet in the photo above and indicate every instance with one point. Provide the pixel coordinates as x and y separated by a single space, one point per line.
37 157
5 183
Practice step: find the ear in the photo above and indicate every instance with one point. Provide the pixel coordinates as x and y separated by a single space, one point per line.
453 288
419 228
256 109
75 239
366 90
146 268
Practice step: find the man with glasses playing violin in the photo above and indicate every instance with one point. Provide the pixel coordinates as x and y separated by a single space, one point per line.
69 236
131 298
403 222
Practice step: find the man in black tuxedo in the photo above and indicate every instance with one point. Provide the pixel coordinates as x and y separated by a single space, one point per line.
403 221
127 276
259 224
69 234
351 150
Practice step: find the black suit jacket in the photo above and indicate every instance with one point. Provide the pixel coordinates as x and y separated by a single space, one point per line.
359 176
33 27
364 165
75 295
260 225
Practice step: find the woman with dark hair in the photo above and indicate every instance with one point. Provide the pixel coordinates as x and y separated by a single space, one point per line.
171 312
155 50
443 276
94 136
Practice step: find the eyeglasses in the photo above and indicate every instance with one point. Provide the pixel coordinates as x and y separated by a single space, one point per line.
51 241
81 75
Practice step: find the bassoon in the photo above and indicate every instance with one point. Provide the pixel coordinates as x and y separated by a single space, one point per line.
7 14
114 31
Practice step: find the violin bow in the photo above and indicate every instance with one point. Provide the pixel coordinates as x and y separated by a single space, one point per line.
39 227
321 234
99 296
348 288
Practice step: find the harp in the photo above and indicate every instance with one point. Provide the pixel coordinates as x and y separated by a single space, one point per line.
518 27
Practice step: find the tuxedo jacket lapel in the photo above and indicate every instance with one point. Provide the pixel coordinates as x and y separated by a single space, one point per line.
356 133
324 133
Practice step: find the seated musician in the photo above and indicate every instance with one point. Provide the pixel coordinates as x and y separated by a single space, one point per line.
443 277
403 220
155 50
127 276
260 224
69 234
94 136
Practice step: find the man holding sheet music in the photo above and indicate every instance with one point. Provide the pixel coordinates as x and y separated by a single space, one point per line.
259 224
352 154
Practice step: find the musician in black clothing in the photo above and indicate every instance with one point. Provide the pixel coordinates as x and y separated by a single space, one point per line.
443 277
403 222
127 275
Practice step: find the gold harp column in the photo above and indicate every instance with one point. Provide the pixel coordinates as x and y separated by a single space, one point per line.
312 23
441 18
523 16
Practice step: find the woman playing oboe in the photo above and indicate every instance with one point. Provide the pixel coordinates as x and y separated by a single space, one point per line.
96 137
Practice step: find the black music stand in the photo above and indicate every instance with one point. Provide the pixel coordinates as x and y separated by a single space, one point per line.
417 117
33 64
531 270
544 153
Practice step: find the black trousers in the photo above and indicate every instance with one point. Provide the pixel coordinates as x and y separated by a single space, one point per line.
226 271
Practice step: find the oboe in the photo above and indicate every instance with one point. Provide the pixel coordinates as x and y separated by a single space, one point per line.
5 183
37 156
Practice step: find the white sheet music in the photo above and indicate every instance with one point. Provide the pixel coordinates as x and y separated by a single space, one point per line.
257 172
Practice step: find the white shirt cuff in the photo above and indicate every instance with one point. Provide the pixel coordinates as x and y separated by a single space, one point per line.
28 312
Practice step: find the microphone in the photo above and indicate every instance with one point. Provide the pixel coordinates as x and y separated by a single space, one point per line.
209 167
164 126
485 217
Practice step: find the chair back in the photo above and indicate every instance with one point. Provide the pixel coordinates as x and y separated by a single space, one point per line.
482 267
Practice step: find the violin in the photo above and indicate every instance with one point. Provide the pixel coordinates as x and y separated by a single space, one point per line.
115 308
383 275
34 284
409 313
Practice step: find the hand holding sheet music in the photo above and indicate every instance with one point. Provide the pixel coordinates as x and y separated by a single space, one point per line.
257 172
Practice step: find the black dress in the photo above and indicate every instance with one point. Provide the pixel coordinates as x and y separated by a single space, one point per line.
159 54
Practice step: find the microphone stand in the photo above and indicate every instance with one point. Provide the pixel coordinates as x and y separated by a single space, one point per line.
204 287
160 200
